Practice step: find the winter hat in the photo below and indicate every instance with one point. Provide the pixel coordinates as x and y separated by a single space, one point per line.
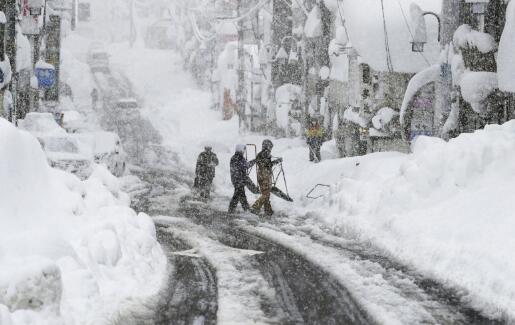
240 148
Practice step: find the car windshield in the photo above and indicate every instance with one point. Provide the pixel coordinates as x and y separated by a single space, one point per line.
60 145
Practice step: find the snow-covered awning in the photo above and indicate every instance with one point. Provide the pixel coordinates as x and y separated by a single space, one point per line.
364 21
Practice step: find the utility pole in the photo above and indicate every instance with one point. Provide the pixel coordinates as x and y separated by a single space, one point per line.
10 13
241 95
2 32
132 35
450 19
2 56
281 27
53 55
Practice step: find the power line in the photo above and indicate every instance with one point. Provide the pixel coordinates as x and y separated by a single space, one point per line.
389 63
302 7
343 20
249 12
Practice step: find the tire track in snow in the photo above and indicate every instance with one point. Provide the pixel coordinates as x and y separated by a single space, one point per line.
244 295
390 291
191 295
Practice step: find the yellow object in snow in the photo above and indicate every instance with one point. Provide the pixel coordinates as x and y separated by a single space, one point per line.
315 132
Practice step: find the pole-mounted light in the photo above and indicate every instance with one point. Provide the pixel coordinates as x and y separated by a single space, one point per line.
281 56
419 31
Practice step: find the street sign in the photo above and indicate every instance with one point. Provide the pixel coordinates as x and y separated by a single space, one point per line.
46 76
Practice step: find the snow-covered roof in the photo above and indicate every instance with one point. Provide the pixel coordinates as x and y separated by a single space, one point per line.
364 21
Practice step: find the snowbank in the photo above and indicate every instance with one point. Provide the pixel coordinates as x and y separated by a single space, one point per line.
447 209
89 256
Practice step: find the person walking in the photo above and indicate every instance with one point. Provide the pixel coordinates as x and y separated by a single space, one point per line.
94 98
265 178
315 139
239 176
205 172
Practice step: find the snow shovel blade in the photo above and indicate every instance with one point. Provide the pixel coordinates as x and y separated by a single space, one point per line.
280 194
252 187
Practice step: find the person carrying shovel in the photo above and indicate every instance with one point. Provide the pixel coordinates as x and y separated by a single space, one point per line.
265 178
239 178
315 139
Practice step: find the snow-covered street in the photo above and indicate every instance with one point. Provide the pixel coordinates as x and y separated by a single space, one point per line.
387 216
390 291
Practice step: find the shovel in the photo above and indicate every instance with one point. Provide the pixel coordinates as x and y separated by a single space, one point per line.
276 191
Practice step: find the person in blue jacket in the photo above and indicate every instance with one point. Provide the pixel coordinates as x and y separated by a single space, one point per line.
239 178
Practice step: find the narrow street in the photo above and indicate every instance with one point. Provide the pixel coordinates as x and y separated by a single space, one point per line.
236 270
257 162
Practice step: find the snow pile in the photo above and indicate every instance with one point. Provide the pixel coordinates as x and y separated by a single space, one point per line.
284 96
23 53
383 117
445 209
89 256
465 37
352 115
505 58
339 61
416 83
476 87
313 27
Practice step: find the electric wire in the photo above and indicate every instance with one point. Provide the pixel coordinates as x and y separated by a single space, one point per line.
389 63
196 30
302 7
342 19
249 12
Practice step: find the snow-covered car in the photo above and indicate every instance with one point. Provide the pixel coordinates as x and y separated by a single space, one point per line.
107 150
41 123
64 152
127 107
98 58
75 122
161 35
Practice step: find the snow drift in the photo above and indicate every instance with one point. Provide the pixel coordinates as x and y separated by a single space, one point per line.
446 209
71 252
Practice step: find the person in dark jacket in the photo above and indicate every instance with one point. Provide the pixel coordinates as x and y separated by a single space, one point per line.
265 178
94 98
205 171
239 178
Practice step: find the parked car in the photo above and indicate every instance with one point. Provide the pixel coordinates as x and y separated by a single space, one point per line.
41 124
127 107
161 35
107 149
98 58
64 152
75 122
